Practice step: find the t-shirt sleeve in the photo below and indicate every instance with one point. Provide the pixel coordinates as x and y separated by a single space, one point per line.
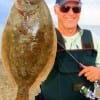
96 42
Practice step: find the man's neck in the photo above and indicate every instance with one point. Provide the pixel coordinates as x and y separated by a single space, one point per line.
68 31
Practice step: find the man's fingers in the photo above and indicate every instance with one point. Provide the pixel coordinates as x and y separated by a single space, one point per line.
83 72
88 74
91 78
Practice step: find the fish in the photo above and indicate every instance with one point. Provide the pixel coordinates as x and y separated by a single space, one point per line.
29 45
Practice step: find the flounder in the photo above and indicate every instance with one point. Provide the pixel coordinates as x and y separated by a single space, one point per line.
28 45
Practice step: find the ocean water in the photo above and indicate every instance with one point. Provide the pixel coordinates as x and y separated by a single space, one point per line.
96 31
94 28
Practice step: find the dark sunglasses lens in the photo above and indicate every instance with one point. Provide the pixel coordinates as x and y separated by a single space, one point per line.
64 9
76 9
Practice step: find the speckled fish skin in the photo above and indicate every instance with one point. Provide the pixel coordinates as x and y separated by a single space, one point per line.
28 45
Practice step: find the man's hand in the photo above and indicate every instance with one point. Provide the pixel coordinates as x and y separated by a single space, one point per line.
90 72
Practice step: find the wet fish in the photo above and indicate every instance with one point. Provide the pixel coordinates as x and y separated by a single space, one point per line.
28 45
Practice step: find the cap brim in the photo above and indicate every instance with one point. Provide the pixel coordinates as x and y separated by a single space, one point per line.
78 1
72 0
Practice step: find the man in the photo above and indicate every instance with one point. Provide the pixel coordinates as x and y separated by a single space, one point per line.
78 54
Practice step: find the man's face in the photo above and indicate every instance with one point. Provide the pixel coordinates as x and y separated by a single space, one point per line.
67 19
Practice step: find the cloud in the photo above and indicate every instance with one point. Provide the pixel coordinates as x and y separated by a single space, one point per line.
91 2
90 15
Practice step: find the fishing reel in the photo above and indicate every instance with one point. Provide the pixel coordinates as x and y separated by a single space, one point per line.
92 95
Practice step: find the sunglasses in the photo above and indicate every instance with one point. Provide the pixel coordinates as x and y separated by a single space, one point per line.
75 9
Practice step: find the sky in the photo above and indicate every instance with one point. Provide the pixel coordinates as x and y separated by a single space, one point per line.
90 14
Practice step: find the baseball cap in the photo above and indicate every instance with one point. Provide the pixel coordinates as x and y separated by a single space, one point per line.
60 2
